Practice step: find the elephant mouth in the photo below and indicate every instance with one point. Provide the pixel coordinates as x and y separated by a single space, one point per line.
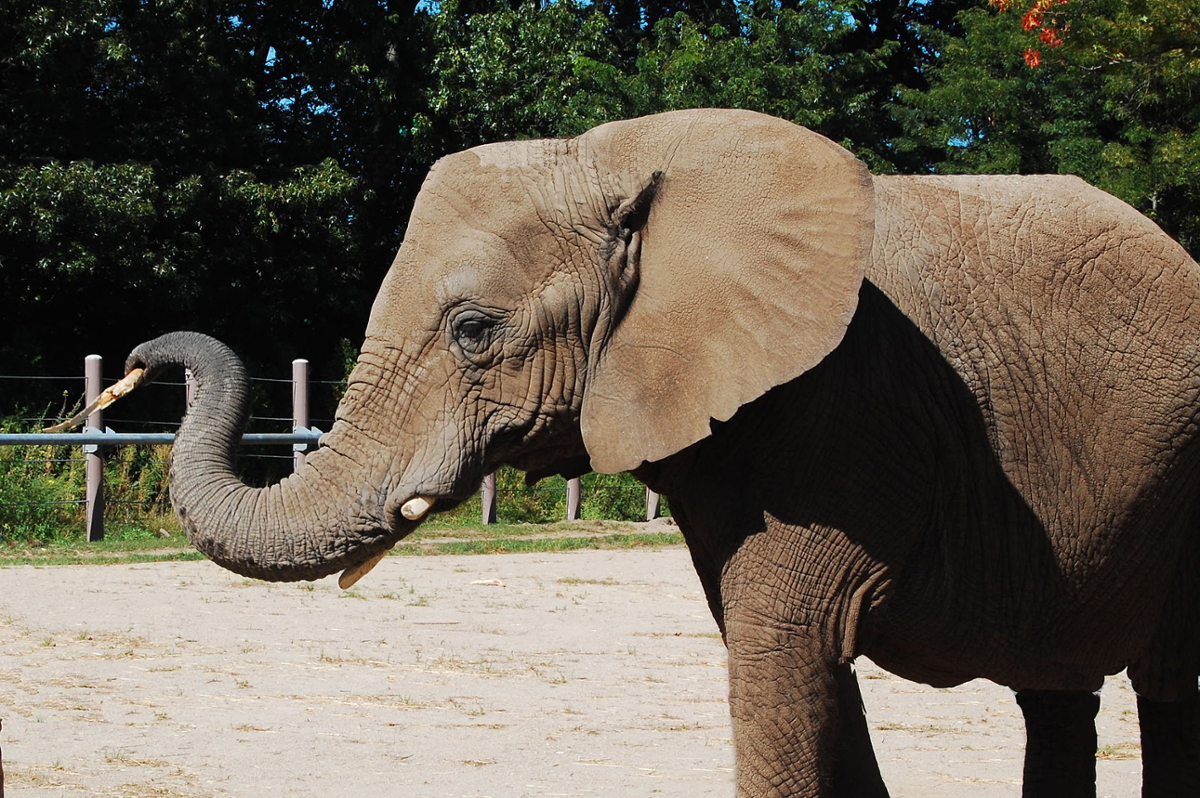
413 510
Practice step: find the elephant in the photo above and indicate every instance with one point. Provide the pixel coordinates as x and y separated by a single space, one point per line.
947 422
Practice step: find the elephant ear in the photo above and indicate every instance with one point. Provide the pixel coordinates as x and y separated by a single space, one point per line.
753 239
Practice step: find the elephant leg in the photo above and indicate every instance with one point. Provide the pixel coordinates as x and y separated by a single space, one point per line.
798 722
1168 698
1060 748
855 768
1170 747
785 707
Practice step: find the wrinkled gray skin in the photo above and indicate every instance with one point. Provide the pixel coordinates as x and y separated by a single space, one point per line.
946 422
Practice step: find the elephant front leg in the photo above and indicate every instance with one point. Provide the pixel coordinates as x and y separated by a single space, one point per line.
855 768
1060 748
798 722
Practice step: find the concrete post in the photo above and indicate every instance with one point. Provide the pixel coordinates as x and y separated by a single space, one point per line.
487 494
653 505
299 408
573 499
93 368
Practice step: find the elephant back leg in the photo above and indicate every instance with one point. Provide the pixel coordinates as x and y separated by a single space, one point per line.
1170 747
1165 680
798 721
1060 747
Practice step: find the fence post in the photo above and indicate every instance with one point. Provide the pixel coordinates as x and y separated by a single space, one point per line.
653 505
573 499
93 368
299 409
487 495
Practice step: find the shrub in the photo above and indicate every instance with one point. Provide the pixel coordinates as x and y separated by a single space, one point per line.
41 489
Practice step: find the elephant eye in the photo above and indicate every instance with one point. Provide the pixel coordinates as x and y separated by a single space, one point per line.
472 331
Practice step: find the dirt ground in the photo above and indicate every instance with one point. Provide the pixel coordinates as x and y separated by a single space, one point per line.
574 674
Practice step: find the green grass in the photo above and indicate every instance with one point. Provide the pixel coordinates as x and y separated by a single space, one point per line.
430 539
119 550
635 540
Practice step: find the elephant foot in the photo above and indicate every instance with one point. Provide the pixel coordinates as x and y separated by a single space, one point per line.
1060 748
1170 747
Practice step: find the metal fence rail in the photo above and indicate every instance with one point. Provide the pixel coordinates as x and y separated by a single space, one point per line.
106 437
303 438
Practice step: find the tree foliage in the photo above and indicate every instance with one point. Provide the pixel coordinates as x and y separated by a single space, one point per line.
246 168
1113 104
525 70
237 167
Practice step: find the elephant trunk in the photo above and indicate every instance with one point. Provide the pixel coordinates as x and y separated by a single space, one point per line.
326 517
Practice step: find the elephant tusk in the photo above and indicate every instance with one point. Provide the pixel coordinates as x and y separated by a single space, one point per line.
415 508
111 394
356 572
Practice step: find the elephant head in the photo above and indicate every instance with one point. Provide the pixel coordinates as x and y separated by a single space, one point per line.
604 297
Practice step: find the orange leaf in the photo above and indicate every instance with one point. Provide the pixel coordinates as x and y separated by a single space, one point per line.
1051 37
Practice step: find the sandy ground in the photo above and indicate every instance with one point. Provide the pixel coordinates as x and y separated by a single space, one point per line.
575 674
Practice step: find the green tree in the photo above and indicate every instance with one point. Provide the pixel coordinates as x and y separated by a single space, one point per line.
1114 103
227 165
559 69
103 255
520 72
904 39
788 62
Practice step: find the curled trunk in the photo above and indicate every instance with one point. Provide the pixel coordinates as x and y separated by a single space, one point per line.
324 518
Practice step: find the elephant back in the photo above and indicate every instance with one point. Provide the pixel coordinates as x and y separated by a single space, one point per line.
1074 321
